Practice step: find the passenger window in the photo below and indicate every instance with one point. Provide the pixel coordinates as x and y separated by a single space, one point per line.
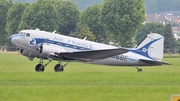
28 34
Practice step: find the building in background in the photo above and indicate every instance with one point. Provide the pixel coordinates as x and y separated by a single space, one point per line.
166 17
156 18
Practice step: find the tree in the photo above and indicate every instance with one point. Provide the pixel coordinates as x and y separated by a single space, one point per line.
170 42
85 32
83 4
178 45
29 1
148 28
122 18
51 15
91 17
69 15
41 14
4 5
14 17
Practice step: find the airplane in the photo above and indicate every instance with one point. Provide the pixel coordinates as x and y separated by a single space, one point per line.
50 46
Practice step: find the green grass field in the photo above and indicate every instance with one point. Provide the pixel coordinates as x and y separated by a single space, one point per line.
85 82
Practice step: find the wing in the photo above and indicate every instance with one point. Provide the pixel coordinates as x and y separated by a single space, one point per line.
91 55
154 62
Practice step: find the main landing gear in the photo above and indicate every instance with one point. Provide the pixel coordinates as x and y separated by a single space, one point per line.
39 68
57 68
138 69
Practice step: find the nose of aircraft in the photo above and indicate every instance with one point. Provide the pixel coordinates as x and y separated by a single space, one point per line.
13 38
10 38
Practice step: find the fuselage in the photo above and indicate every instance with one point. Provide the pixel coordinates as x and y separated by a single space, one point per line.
31 40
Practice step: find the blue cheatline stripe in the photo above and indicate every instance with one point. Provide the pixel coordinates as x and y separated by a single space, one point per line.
40 40
132 59
15 35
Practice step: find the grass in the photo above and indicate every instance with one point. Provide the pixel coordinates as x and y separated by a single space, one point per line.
172 55
85 82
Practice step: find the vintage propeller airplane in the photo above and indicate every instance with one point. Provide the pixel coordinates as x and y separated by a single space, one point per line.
52 46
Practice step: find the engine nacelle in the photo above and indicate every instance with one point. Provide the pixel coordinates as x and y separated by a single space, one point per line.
47 49
31 55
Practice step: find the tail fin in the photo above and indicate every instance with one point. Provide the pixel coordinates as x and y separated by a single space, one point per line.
152 46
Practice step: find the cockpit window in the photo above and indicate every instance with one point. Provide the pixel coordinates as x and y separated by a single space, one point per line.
25 34
22 33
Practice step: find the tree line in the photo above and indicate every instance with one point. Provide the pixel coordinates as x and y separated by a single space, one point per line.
113 21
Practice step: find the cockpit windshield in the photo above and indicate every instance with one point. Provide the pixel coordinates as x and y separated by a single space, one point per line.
25 34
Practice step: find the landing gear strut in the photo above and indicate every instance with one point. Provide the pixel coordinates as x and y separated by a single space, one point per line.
57 68
138 69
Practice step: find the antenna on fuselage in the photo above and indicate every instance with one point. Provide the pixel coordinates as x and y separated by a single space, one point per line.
85 38
37 29
54 31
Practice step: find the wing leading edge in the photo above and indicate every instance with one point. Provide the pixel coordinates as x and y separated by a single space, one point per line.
91 55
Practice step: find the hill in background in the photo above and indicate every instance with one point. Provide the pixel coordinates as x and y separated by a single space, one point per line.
82 4
152 6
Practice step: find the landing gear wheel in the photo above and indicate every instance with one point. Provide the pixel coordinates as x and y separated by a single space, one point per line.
139 70
39 68
58 68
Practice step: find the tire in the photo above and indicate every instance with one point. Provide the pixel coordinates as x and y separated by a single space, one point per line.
39 68
58 68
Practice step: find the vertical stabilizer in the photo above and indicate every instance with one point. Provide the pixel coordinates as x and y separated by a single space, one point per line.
152 46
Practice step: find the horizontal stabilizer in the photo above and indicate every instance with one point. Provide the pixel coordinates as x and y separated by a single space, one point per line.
154 62
91 55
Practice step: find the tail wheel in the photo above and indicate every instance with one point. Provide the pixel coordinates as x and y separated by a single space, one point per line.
139 70
39 68
58 68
